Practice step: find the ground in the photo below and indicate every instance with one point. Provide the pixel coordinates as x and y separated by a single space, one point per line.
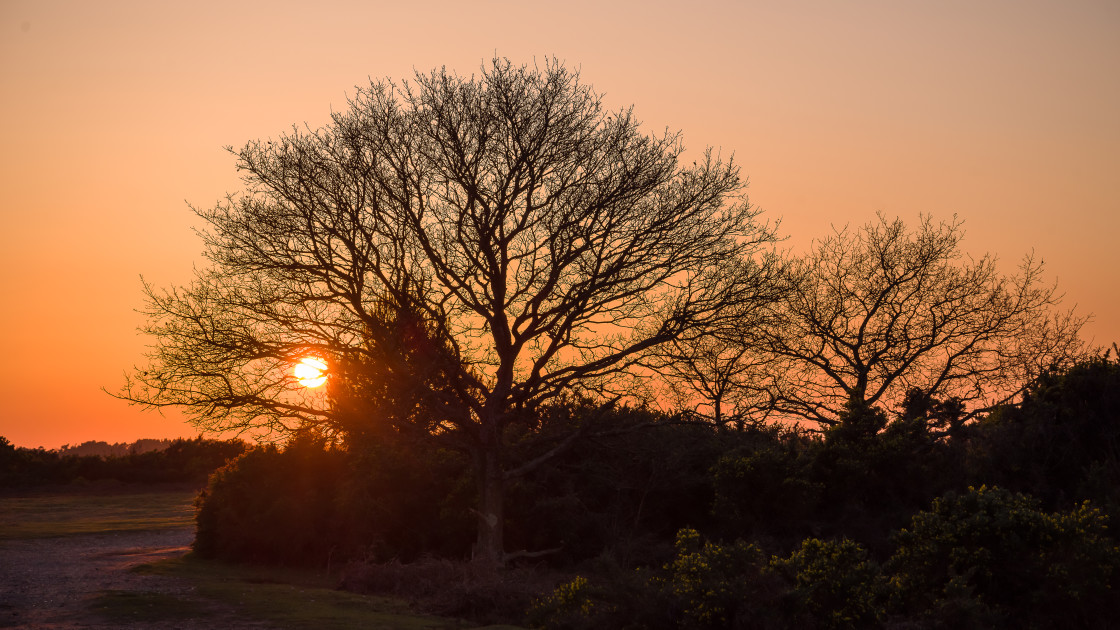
118 557
74 582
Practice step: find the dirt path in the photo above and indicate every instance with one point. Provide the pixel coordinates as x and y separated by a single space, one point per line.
53 583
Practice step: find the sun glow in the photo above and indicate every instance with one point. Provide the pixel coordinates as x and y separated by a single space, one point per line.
311 372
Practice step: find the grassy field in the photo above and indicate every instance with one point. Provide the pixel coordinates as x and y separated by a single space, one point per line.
218 592
285 598
59 514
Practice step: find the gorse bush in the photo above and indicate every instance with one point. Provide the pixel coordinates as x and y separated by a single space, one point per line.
985 559
992 558
716 586
705 586
833 585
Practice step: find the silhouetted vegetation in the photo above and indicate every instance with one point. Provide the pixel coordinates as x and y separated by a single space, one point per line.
117 449
1062 443
313 503
880 520
181 460
504 233
504 279
987 558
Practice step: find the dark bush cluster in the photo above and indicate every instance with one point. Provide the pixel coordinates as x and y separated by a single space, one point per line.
473 590
987 558
311 503
848 481
1062 444
881 521
993 558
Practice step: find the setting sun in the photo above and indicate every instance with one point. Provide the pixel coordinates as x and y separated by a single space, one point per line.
311 372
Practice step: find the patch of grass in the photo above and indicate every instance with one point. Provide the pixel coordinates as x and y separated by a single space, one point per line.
285 598
296 599
65 514
144 606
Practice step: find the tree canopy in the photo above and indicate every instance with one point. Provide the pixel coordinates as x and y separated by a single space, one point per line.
459 251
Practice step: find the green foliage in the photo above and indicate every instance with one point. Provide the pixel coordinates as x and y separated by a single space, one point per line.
991 558
985 559
706 586
569 606
834 585
767 491
628 600
710 585
714 585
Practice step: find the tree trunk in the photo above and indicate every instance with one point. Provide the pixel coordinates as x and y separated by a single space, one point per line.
490 545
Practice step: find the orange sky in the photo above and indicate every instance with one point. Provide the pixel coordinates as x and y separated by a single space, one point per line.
114 113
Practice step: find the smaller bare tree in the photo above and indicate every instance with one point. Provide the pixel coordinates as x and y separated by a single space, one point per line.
882 312
721 377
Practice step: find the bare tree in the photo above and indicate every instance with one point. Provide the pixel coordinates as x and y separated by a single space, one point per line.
880 313
721 377
485 243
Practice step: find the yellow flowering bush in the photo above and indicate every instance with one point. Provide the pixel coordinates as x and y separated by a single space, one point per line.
714 584
992 557
834 583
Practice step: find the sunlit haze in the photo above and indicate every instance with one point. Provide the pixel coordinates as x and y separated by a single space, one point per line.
311 372
114 117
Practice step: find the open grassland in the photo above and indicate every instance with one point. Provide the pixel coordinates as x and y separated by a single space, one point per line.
85 559
57 514
281 598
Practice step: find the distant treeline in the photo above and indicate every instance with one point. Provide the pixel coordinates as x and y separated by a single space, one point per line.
143 461
118 449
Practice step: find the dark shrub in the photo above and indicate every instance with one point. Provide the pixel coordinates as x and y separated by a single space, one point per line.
402 501
706 586
1062 443
311 503
768 492
833 585
477 591
991 558
622 490
271 505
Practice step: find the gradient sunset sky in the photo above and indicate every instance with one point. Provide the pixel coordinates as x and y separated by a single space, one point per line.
114 115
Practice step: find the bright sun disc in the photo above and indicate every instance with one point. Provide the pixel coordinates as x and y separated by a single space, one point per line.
311 372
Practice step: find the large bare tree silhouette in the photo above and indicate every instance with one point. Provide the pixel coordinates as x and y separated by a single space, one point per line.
463 249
